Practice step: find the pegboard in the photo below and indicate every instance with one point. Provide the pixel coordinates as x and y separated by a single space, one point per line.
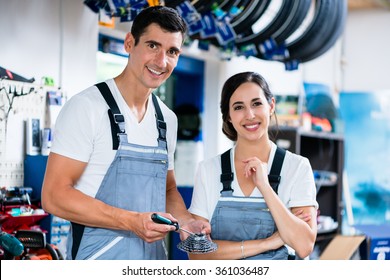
25 100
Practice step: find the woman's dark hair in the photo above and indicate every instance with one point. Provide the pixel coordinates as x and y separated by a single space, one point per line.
229 88
167 18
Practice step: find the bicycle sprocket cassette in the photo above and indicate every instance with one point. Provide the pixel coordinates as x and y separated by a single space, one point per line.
197 244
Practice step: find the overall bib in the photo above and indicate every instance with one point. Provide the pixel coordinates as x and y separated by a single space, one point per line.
135 181
246 218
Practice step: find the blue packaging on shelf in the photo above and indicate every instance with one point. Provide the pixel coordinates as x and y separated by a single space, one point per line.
378 241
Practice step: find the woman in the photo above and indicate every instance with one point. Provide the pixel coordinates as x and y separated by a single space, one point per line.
253 215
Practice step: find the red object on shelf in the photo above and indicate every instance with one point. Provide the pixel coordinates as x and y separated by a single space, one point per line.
320 124
11 223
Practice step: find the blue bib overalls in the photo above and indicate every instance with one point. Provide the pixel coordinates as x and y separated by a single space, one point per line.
246 218
135 181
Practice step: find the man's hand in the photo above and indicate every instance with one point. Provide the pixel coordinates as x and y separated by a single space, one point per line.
150 231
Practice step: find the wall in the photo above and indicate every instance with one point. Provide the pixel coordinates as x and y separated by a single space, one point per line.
366 51
54 38
41 38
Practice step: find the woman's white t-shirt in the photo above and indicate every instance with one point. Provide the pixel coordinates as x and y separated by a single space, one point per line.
83 132
296 188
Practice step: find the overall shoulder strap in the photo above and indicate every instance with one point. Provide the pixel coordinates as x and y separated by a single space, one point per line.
77 234
274 174
161 124
227 175
117 120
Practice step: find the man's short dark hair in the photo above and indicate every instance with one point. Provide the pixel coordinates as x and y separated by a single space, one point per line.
167 18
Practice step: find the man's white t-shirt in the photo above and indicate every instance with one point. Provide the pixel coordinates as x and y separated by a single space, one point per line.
296 188
83 132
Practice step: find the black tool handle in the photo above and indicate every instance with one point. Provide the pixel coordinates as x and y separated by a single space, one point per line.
162 220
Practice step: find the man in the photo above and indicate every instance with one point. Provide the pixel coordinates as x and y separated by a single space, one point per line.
109 195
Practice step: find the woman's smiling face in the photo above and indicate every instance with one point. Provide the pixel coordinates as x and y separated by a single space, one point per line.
250 112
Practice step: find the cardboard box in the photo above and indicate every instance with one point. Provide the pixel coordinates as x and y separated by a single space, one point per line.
342 247
372 242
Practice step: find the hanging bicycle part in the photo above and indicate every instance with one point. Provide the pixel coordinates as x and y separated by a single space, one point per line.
278 22
196 243
320 34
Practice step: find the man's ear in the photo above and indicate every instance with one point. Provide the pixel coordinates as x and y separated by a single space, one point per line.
129 42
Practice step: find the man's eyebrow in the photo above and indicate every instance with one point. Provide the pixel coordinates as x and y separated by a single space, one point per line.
153 42
175 49
159 44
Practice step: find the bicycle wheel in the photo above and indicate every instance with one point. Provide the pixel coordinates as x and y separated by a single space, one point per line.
295 18
335 33
283 18
326 26
253 9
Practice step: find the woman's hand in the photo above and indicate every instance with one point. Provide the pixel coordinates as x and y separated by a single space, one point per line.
274 241
258 170
300 213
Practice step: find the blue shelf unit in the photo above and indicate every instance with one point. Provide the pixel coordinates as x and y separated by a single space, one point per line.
34 172
56 229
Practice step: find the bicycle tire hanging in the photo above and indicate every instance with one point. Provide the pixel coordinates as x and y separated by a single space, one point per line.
233 25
